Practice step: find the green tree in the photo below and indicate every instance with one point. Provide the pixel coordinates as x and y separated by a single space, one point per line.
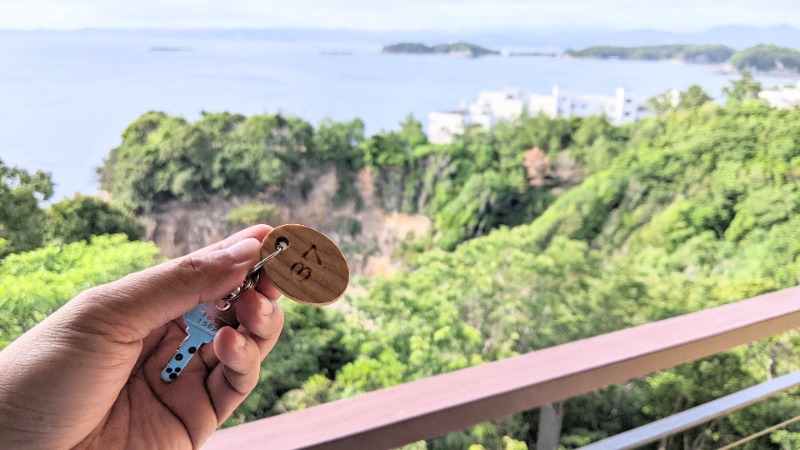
788 440
693 97
81 217
163 158
22 222
338 142
669 101
137 173
411 131
744 89
34 284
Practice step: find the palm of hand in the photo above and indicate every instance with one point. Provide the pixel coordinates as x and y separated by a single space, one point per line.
146 412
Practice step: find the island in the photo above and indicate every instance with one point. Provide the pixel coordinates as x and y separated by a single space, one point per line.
703 54
767 58
761 58
457 49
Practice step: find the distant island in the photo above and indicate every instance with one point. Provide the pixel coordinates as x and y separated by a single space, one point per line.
767 58
761 58
703 54
458 49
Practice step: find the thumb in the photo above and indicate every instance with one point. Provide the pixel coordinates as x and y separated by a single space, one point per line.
129 309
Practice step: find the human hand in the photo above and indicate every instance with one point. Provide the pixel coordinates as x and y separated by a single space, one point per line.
90 374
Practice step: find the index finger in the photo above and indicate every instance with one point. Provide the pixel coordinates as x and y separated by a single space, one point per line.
128 309
256 232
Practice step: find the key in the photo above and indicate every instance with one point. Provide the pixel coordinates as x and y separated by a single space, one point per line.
306 267
202 324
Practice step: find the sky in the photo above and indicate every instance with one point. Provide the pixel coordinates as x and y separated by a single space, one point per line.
382 15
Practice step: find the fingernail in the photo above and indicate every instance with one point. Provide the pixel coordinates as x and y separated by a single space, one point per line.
267 310
241 341
242 251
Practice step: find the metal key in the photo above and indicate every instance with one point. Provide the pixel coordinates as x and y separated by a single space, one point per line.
204 321
202 324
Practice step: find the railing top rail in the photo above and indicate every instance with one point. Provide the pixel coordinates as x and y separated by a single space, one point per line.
433 406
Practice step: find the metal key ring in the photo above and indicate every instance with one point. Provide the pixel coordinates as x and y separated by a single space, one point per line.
251 280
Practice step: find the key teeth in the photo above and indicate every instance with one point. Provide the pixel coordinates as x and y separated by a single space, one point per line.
201 328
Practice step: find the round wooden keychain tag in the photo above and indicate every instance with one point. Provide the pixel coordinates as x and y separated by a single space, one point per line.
310 269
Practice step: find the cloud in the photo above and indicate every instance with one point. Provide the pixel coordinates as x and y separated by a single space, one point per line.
395 15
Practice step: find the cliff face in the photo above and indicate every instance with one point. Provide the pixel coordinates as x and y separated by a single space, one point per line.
367 235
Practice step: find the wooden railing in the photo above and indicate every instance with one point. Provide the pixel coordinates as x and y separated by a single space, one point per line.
437 405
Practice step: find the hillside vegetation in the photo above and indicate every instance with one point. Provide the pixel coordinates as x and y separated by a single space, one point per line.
545 231
467 188
701 208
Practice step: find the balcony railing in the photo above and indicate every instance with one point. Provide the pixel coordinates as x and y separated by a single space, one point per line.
437 405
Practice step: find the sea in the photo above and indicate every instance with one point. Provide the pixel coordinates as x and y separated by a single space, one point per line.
66 97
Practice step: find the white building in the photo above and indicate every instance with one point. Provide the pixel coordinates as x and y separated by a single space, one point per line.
503 105
618 108
511 103
783 98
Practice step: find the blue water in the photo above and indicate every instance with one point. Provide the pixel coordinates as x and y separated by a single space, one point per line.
65 98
